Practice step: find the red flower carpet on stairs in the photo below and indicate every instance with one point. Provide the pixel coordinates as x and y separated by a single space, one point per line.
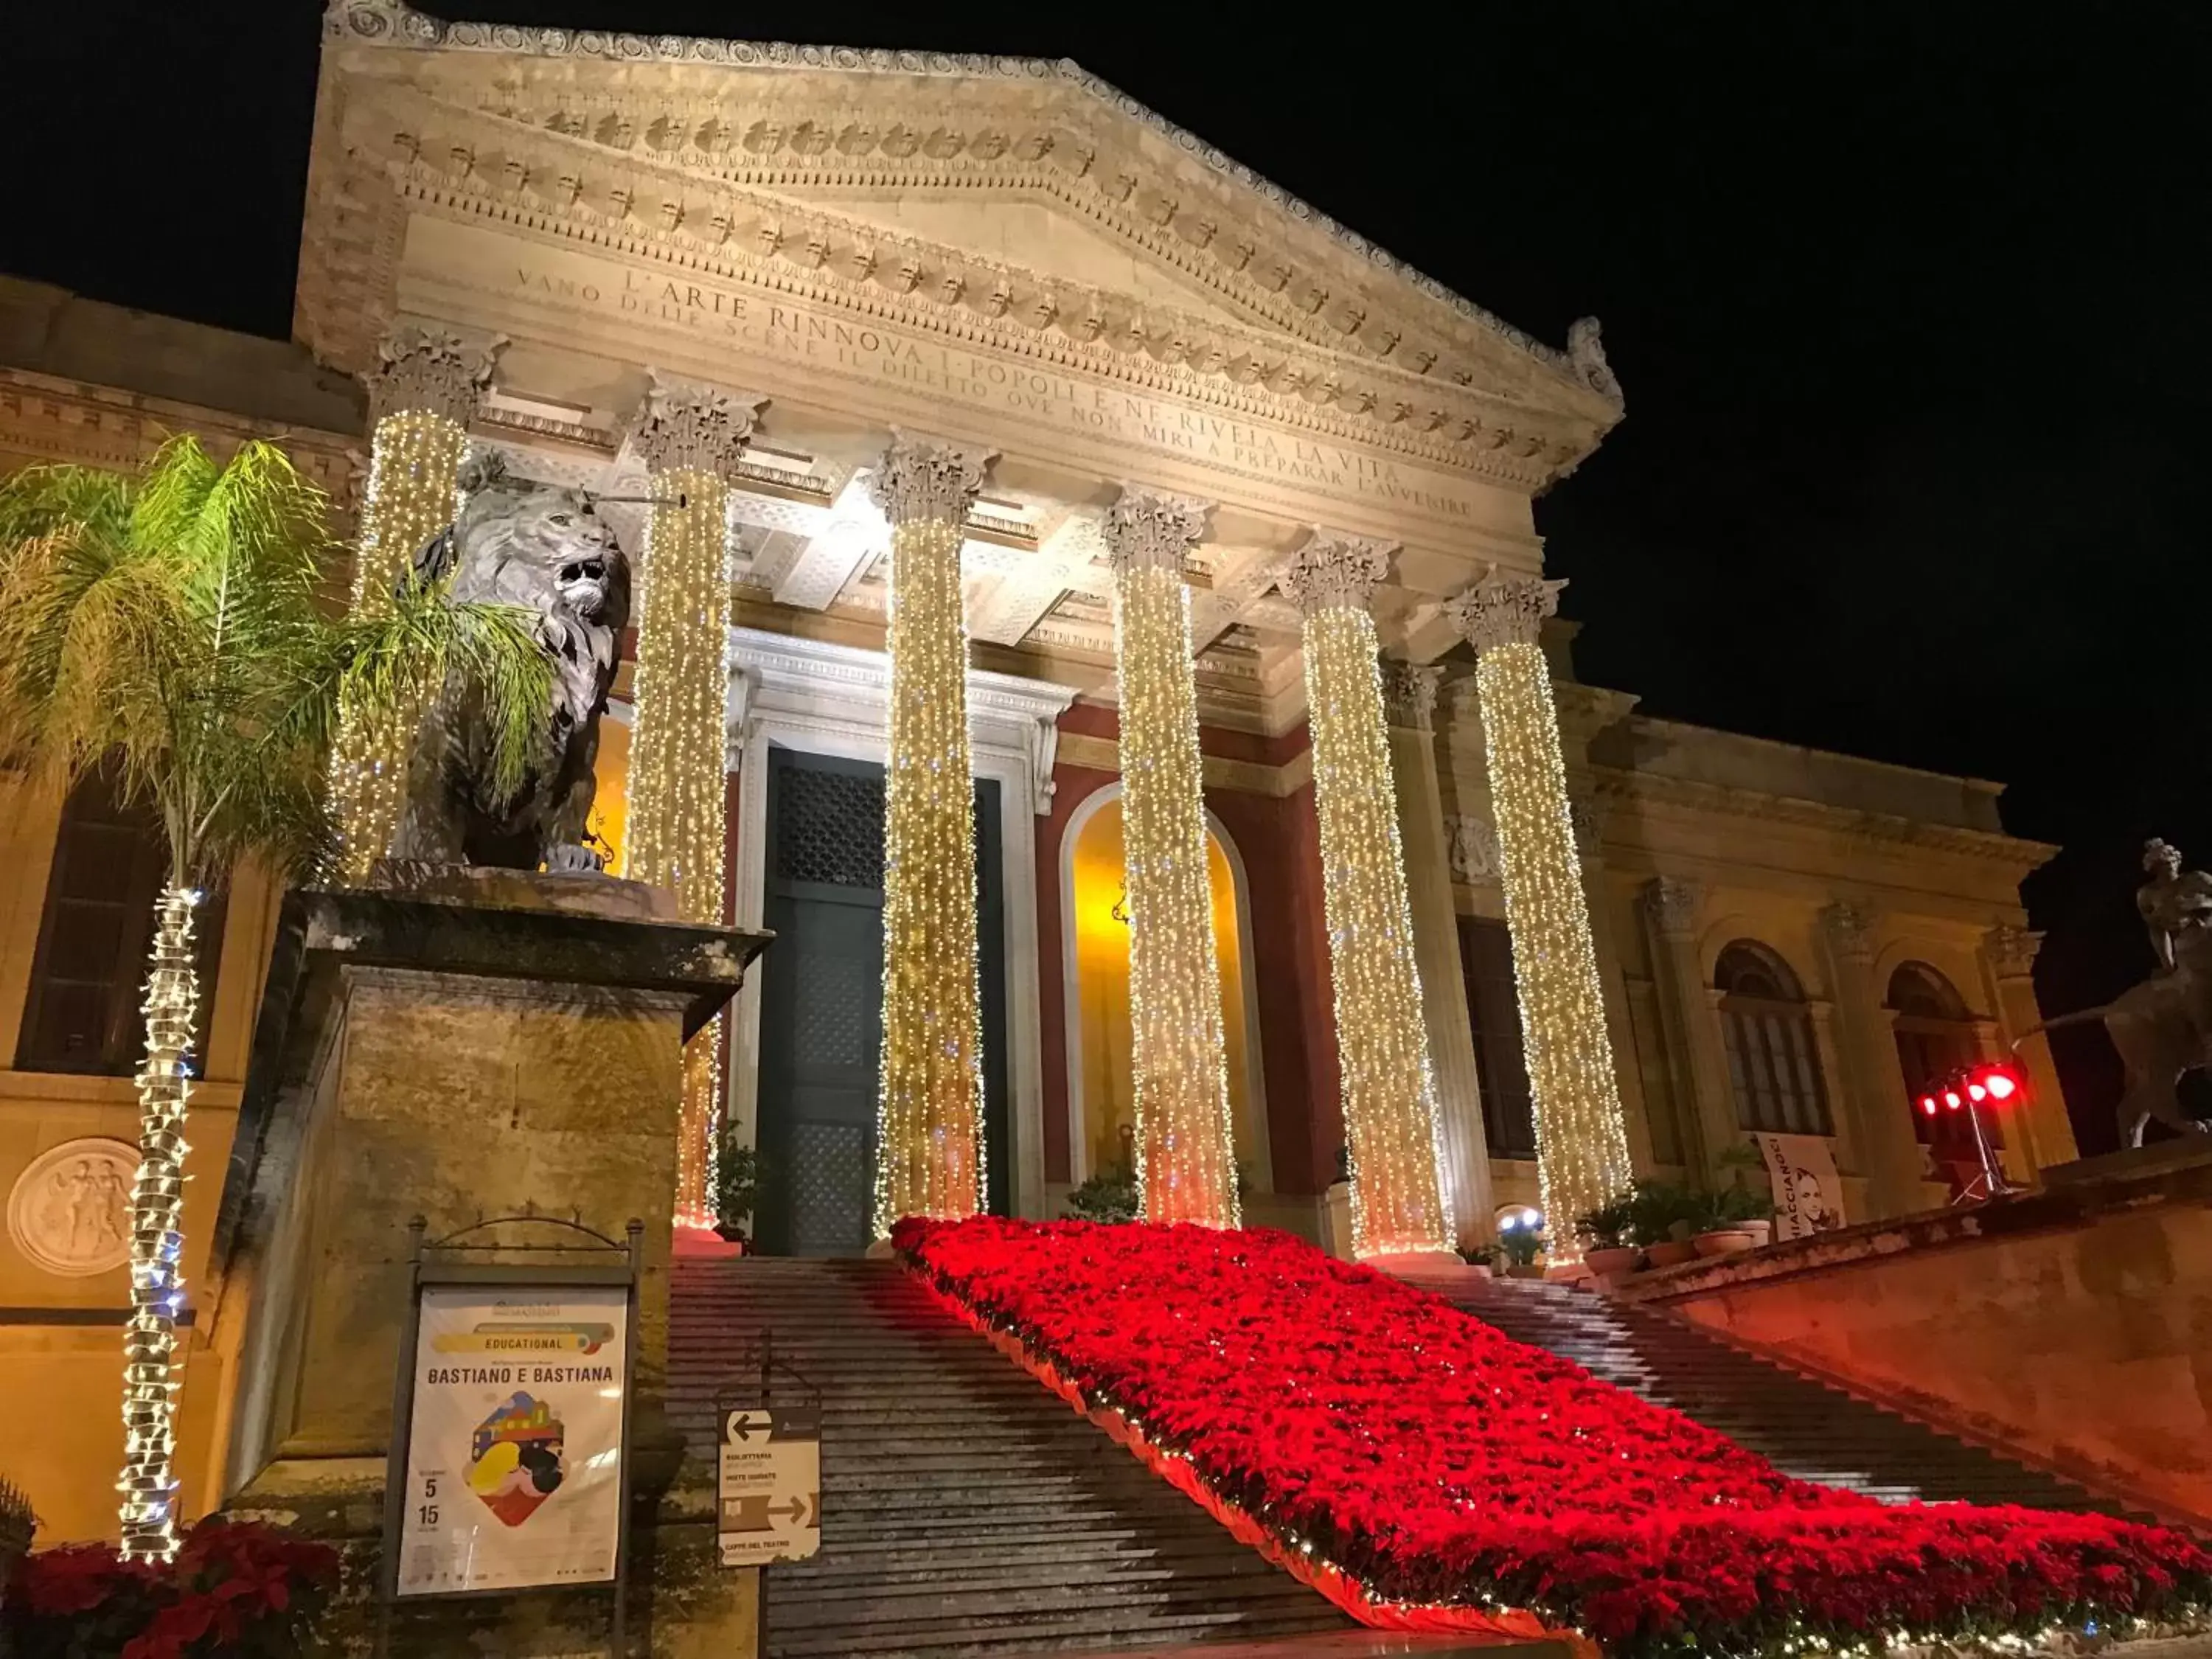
1427 1471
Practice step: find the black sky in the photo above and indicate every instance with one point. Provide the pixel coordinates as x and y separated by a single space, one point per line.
1908 301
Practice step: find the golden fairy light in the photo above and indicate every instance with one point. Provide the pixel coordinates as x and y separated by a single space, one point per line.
149 1337
929 1117
1186 1155
1582 1137
421 394
1391 1119
691 438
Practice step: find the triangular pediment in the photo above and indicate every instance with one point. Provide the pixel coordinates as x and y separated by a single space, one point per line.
1005 195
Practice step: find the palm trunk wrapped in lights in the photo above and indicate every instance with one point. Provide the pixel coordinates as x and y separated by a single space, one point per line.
1186 1154
1582 1137
1391 1121
929 1113
421 398
149 1338
691 438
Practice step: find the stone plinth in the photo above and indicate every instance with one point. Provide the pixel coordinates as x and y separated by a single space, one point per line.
469 1044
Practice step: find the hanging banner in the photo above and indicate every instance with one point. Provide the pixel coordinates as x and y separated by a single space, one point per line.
1808 1196
770 1485
513 1459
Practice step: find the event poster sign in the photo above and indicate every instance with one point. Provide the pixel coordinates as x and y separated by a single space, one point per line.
1808 1198
515 1448
769 1485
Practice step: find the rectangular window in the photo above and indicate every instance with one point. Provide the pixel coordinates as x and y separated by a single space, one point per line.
87 975
1493 1008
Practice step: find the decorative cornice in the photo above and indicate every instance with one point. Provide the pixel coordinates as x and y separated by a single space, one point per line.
2012 950
920 479
1409 694
686 427
1332 570
1150 530
1674 905
1503 609
1195 223
1850 924
430 371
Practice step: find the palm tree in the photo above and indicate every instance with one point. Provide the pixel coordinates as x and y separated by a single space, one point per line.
172 627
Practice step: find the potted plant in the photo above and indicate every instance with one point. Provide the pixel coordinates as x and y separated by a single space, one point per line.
1521 1246
17 1524
1604 1234
1656 1210
1109 1195
1480 1257
1760 1224
736 1189
1723 1219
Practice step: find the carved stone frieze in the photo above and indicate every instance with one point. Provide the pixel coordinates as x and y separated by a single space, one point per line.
1151 530
686 427
1334 570
1474 854
1503 609
631 145
2012 950
431 371
1586 353
1849 925
1409 694
920 479
1675 904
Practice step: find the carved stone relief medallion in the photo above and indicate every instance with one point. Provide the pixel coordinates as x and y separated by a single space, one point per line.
70 1211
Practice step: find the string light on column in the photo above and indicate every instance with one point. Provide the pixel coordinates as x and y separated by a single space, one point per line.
148 1484
1582 1137
1391 1121
422 395
929 1115
690 439
1186 1153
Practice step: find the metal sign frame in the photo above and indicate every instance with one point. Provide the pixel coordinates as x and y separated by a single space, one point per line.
762 1381
604 1273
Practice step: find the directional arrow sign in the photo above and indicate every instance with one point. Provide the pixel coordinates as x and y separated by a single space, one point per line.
769 1485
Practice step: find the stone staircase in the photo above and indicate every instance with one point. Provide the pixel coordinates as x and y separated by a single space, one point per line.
967 1512
1803 1426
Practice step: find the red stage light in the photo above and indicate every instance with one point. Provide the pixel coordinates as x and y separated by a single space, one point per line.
1951 1099
1927 1104
2002 1086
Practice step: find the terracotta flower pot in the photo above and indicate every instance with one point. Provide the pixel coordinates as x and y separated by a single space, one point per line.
1608 1260
1723 1241
1672 1253
1762 1233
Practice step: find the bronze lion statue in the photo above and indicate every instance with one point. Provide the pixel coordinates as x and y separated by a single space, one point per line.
545 549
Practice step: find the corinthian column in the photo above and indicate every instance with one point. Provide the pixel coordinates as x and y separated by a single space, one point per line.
1582 1136
929 1112
420 395
1390 1117
1409 696
691 438
1186 1147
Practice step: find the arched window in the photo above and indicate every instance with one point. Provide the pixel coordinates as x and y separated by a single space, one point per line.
1774 1067
1935 1037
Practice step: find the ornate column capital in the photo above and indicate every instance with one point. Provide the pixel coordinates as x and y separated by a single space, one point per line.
2012 950
682 427
1850 924
923 479
1334 571
1409 694
1674 905
1150 530
430 371
1503 609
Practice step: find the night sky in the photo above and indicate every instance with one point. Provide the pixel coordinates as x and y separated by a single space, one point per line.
1907 302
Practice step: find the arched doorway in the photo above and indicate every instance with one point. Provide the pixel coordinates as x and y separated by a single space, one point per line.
1096 928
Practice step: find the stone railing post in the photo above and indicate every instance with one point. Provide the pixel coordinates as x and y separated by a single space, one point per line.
1582 1136
1391 1119
929 1122
1186 1153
